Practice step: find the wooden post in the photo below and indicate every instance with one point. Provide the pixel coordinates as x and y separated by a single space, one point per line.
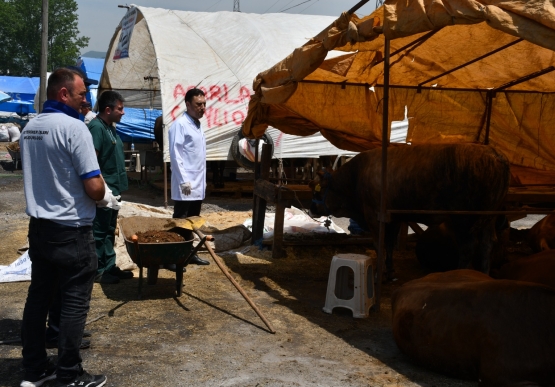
277 245
259 204
383 209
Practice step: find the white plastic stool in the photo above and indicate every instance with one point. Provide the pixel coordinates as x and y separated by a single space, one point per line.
358 298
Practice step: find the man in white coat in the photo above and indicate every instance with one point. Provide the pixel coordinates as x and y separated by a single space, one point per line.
188 161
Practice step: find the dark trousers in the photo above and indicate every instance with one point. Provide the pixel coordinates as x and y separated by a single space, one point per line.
104 230
63 259
184 209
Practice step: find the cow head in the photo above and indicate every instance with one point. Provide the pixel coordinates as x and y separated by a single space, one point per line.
320 188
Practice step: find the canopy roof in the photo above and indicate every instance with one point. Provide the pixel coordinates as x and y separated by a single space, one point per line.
219 52
22 91
445 57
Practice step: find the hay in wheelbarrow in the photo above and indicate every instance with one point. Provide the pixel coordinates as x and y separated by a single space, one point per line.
152 255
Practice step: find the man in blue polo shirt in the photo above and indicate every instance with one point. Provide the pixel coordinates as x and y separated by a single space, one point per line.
62 185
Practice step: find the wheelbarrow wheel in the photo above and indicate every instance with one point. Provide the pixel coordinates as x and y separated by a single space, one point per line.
152 275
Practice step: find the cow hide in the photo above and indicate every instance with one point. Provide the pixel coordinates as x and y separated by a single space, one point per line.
465 324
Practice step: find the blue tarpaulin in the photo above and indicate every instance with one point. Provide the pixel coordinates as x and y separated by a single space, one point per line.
22 90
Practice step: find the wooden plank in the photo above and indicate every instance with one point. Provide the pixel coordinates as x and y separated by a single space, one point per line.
324 242
265 190
531 194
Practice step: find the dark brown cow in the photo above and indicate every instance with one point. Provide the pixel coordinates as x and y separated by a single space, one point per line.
538 268
422 177
542 235
465 324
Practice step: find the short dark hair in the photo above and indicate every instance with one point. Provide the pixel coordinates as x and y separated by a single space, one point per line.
192 93
109 99
61 77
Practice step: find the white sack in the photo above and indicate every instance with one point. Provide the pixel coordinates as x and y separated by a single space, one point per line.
18 271
295 221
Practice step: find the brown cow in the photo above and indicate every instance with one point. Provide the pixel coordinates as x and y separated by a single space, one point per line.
459 177
465 324
538 268
542 235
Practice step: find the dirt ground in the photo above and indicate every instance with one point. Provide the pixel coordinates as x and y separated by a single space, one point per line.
210 336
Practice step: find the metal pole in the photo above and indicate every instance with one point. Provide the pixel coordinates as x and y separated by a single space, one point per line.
43 54
385 142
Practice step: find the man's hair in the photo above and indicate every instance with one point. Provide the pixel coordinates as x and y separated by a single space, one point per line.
109 99
61 77
192 93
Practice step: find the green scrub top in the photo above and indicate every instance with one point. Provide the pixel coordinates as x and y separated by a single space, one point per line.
110 155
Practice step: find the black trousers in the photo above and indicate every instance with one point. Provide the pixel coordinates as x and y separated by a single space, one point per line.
184 209
63 259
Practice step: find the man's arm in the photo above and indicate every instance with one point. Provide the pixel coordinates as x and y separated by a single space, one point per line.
94 187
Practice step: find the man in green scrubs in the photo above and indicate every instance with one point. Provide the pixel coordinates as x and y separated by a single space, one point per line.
109 150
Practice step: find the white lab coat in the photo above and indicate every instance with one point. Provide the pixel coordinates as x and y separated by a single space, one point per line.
187 158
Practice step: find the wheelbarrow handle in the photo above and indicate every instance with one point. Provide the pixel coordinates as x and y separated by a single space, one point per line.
195 250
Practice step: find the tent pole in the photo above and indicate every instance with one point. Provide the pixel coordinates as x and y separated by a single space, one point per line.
489 104
385 142
357 6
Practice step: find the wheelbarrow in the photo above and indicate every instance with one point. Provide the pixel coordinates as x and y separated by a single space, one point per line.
152 255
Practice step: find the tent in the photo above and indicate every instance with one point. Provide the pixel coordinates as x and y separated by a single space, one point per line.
137 125
466 71
22 91
156 55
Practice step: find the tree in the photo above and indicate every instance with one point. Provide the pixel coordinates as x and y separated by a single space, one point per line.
20 36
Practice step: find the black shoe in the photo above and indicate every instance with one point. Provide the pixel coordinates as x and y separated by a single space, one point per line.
172 267
54 344
198 261
33 380
106 278
87 333
85 380
121 274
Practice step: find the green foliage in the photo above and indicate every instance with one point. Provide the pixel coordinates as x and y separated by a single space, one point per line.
20 36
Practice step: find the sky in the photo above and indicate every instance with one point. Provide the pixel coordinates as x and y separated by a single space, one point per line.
98 19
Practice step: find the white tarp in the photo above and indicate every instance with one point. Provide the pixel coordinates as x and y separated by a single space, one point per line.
18 271
296 221
219 52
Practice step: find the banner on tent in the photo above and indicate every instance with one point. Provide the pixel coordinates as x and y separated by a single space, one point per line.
127 24
226 104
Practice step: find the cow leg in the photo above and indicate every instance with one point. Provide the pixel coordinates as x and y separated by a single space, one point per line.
466 243
486 238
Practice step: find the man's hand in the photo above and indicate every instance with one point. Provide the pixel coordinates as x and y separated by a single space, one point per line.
107 200
186 188
116 204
